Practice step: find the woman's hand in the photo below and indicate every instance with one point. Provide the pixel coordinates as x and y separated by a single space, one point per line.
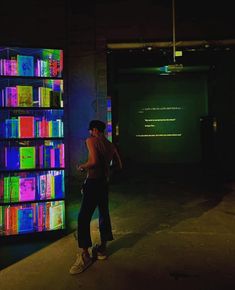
80 167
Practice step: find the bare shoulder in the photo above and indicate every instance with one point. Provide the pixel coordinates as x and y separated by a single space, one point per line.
91 140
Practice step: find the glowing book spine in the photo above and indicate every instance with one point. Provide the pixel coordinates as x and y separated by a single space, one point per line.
12 158
14 188
60 127
11 128
59 193
26 127
25 219
13 220
15 126
37 129
10 67
61 146
25 96
42 186
38 68
47 217
44 95
8 128
44 128
56 216
48 187
56 128
27 189
7 215
40 217
1 189
54 67
27 157
25 65
1 67
52 157
11 97
47 156
50 128
41 156
6 189
45 68
52 181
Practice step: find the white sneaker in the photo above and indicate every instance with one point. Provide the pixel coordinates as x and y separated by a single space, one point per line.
98 253
81 264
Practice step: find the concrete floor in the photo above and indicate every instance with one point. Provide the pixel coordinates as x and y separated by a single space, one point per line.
172 231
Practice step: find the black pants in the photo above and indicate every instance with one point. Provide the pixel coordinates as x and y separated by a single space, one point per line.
95 193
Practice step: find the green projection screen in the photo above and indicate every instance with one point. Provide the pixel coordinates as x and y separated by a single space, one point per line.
159 118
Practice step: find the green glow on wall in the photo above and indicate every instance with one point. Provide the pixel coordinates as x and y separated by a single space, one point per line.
166 69
159 118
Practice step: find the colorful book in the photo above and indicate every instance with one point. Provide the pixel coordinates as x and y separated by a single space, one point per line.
47 215
8 128
42 186
27 157
15 127
25 96
47 156
52 181
41 156
12 158
7 220
56 128
6 197
44 96
52 157
10 67
48 187
41 217
59 193
25 219
14 188
27 189
25 64
26 127
56 216
61 146
1 189
37 126
57 157
11 98
44 68
54 66
11 128
10 220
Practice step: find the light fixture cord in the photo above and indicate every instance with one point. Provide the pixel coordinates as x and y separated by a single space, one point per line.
173 30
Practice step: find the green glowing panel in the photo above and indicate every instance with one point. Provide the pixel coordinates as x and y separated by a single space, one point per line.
160 118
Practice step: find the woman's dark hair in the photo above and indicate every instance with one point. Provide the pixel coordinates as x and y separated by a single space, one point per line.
99 125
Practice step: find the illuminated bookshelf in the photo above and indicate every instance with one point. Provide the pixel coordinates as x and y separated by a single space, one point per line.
32 169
